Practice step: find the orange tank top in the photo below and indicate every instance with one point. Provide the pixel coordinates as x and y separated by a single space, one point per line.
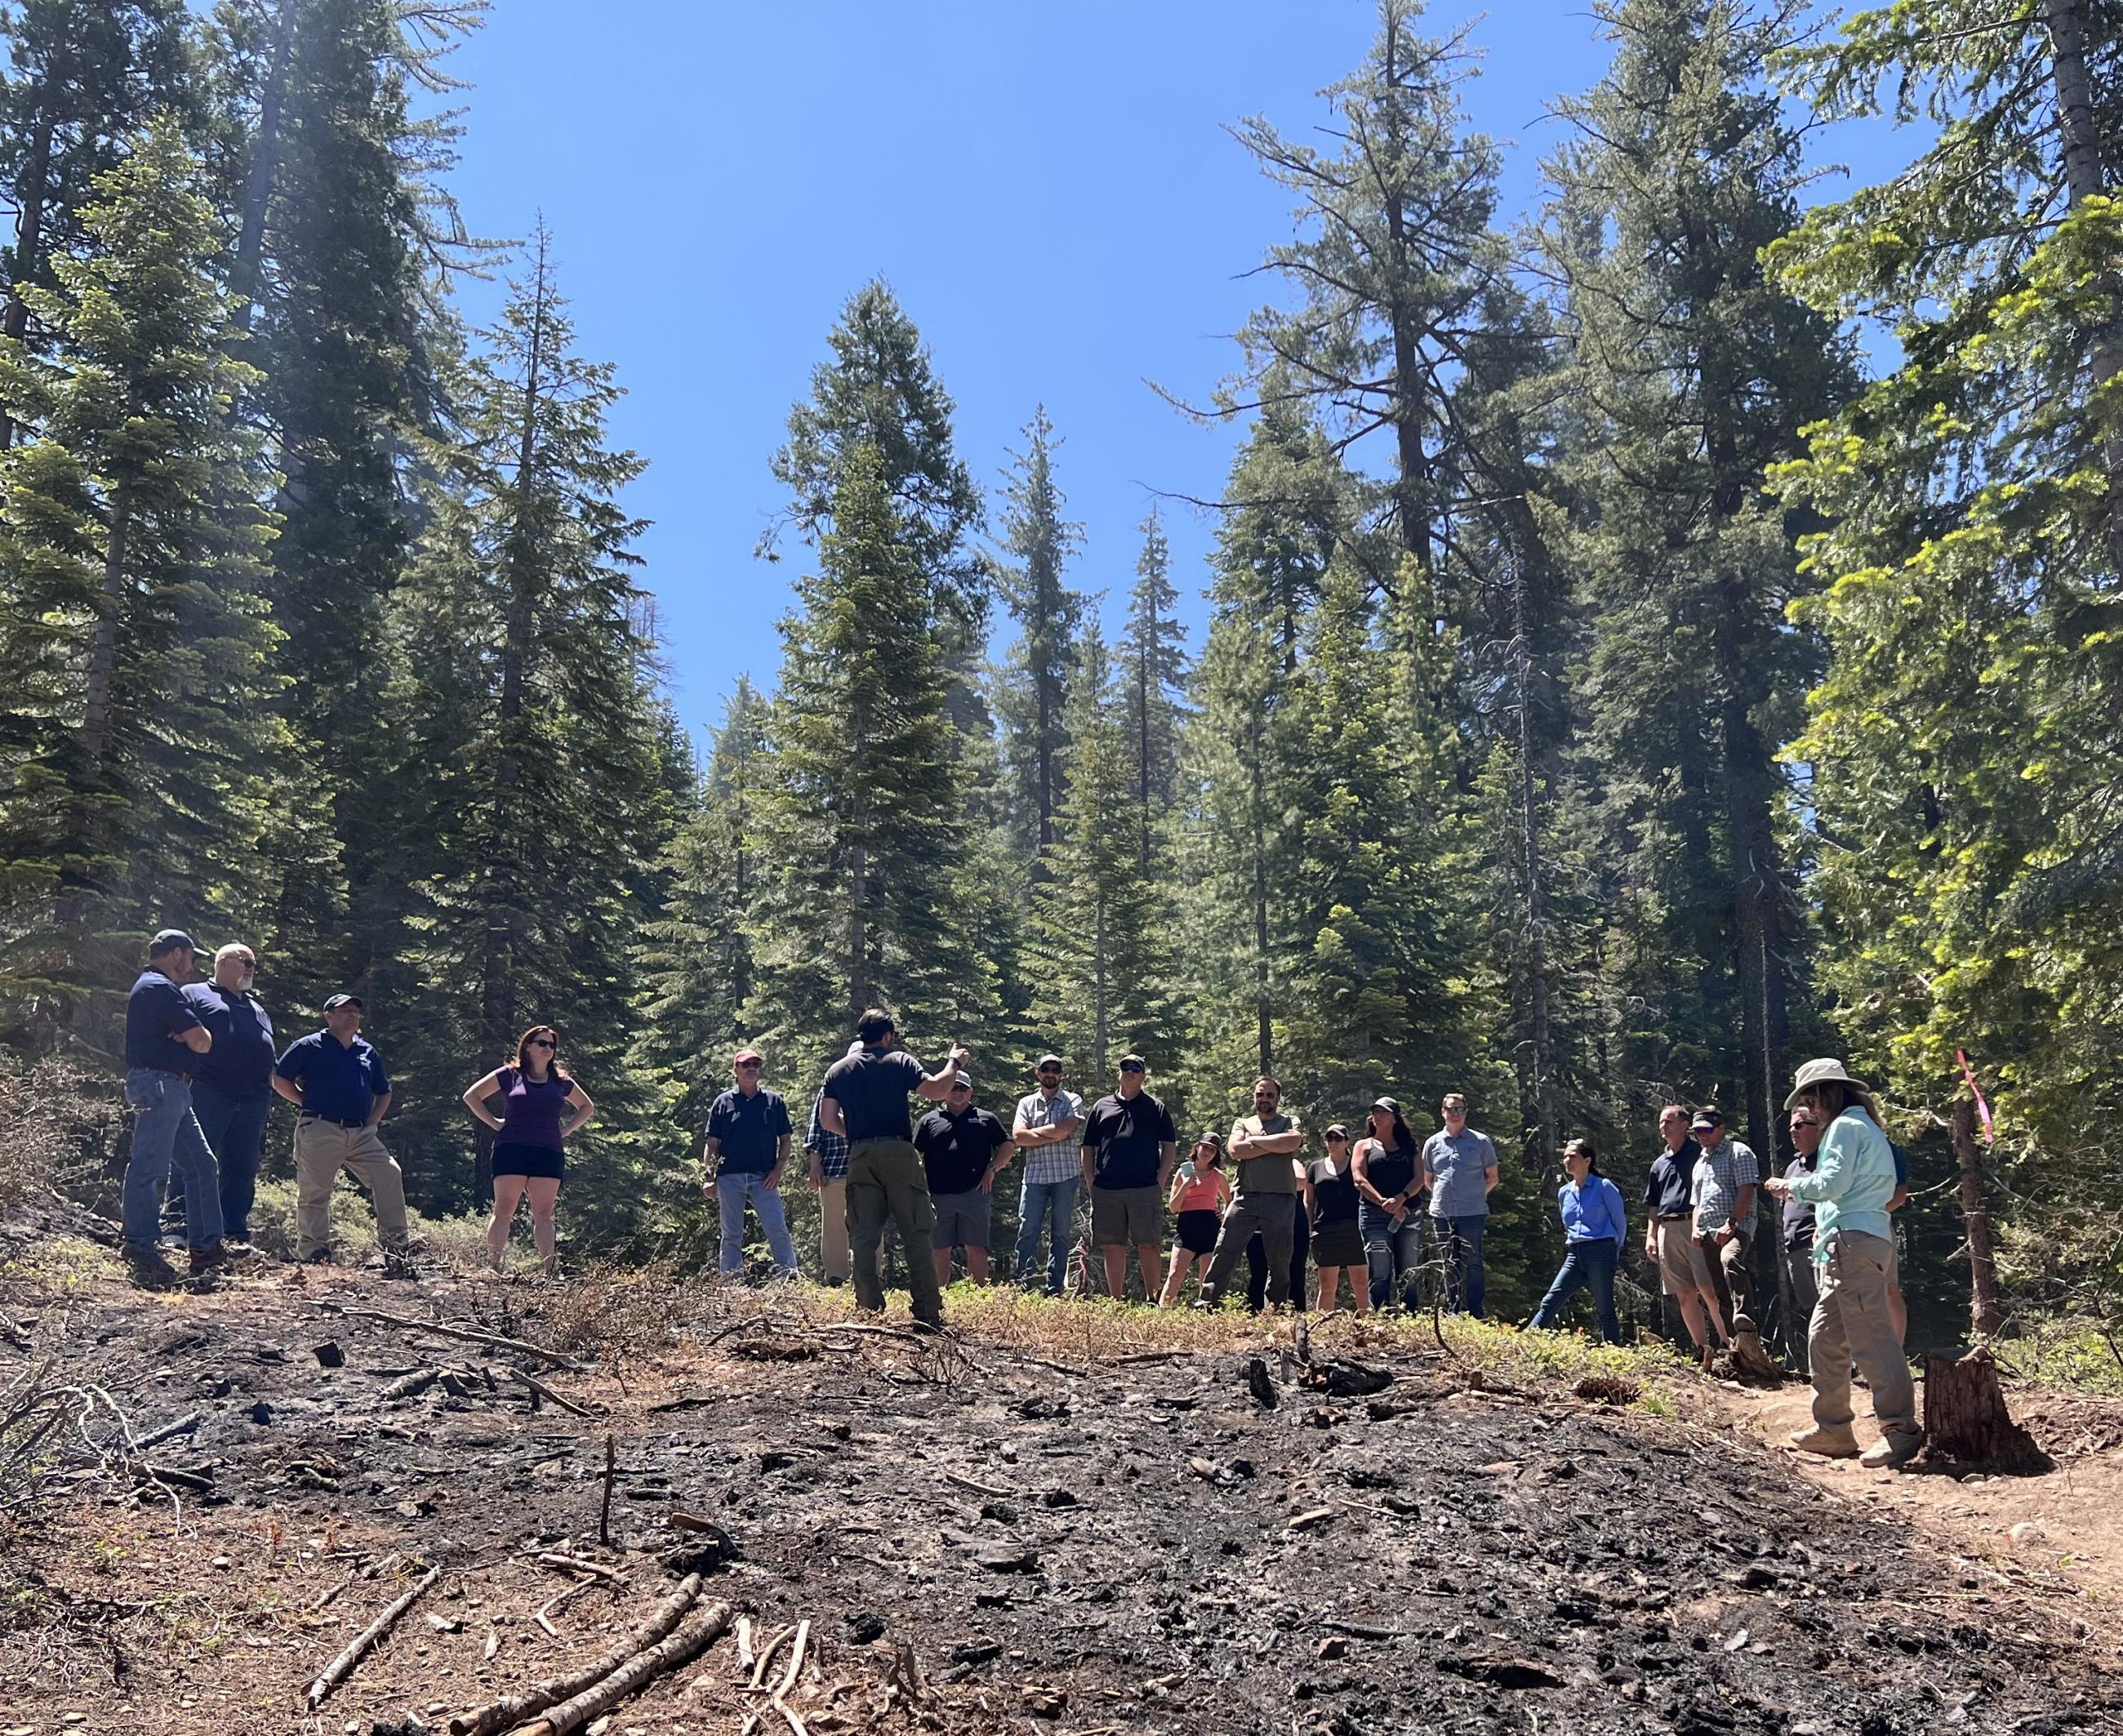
1202 1194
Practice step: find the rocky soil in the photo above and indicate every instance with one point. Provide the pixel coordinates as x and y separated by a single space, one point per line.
980 1536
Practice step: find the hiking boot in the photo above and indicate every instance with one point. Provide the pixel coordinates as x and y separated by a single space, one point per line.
219 1255
1829 1443
1892 1451
147 1268
320 1257
397 1262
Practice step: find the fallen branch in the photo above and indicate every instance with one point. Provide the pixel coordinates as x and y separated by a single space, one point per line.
468 1334
576 1564
513 1709
342 1666
780 1701
184 1424
979 1489
551 1397
558 1602
686 1644
413 1385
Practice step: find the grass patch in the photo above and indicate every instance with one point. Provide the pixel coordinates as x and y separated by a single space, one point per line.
62 1263
2071 1357
458 1242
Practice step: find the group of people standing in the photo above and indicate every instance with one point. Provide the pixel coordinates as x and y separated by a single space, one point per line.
1251 1193
203 1067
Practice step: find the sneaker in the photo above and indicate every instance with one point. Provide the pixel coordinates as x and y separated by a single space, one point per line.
1892 1451
1829 1443
148 1270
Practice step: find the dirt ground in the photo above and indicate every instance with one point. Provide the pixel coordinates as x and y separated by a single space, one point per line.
986 1536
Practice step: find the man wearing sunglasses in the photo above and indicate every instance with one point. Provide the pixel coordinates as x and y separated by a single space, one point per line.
1798 1228
746 1150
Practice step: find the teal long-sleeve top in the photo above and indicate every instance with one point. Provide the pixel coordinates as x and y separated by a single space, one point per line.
1851 1180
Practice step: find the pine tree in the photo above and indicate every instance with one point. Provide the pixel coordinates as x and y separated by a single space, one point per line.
1963 749
1390 278
530 704
1034 692
137 725
1153 671
80 78
880 392
1696 372
1099 954
860 827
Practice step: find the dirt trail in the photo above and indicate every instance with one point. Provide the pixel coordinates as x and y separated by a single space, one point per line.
979 1539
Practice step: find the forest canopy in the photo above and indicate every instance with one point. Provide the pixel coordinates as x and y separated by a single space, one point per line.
1615 689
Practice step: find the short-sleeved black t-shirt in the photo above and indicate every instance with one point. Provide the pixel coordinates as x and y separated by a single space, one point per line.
871 1087
1123 1134
956 1150
155 1012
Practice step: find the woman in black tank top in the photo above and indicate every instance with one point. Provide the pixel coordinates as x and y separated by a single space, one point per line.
1386 1168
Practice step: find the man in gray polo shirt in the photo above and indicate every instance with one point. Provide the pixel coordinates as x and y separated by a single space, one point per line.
1726 1178
1460 1168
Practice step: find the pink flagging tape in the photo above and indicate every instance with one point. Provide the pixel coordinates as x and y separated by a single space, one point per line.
1982 1109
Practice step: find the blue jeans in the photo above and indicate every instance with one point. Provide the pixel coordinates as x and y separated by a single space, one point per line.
1053 1202
166 1136
1460 1246
235 1130
1393 1253
1584 1263
731 1193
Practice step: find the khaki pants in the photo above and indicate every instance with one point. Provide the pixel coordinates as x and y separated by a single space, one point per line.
1850 1323
322 1149
886 1181
833 1230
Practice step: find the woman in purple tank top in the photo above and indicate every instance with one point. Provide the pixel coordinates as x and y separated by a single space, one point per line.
540 1105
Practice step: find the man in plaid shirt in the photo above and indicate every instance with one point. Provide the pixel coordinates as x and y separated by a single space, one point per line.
829 1179
1047 1127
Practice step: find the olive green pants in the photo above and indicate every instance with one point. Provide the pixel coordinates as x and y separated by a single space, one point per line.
886 1181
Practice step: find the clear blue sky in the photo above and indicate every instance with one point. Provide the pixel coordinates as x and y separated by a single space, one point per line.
1050 191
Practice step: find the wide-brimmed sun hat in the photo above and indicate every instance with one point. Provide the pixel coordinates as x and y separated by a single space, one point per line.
1821 1072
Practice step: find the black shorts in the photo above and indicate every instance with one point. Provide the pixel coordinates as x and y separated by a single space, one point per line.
527 1159
1198 1232
1339 1243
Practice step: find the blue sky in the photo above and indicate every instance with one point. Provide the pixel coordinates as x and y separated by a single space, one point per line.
1050 191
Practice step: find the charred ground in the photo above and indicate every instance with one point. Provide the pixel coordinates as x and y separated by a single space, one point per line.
1045 1524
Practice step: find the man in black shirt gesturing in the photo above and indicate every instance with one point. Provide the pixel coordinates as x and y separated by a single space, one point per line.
865 1102
1129 1148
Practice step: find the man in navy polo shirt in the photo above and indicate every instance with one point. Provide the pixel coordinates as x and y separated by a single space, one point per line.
337 1080
747 1148
164 1043
233 1090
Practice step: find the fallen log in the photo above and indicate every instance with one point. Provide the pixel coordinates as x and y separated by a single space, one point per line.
342 1666
546 1392
184 1424
683 1646
513 1709
468 1334
413 1385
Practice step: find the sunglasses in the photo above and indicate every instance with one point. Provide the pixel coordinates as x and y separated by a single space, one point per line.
1050 1072
543 1043
749 1066
1131 1069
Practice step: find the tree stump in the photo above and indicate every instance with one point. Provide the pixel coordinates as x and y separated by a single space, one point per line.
1966 1422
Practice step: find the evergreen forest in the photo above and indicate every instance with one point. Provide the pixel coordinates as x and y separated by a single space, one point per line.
1653 638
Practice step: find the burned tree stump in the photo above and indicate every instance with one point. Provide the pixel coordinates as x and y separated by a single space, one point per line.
1966 1423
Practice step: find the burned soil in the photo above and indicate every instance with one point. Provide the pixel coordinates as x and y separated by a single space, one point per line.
975 1537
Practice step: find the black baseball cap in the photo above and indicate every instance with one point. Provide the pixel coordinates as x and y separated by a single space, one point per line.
1708 1116
170 940
338 1000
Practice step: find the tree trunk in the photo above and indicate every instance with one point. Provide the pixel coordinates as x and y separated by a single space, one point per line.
1986 1318
1546 1134
103 647
1098 1023
1267 1027
2085 177
1142 744
265 170
1965 1420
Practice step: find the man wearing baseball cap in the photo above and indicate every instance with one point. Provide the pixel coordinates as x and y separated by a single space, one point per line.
336 1079
164 1040
1722 1196
745 1151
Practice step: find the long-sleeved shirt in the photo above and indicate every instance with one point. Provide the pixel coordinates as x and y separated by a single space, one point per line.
1592 1211
1851 1180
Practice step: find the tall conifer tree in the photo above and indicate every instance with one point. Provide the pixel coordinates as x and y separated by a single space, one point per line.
1036 544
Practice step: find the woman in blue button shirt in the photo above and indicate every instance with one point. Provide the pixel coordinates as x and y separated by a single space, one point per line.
1595 1229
